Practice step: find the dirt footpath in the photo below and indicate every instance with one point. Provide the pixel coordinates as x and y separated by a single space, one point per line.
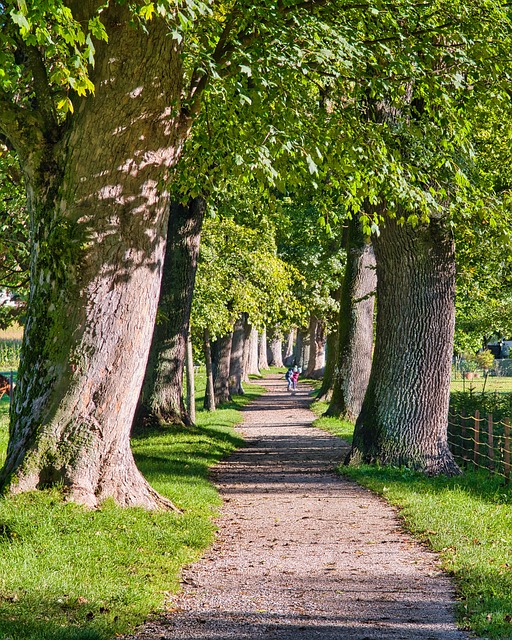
302 554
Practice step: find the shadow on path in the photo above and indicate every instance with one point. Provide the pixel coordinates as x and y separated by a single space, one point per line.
302 553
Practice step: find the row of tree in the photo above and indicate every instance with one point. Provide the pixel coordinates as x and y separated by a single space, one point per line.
131 120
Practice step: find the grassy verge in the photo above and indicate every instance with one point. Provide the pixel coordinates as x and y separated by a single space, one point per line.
467 520
71 574
493 384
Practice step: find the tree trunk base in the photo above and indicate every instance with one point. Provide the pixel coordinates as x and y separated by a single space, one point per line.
124 484
438 464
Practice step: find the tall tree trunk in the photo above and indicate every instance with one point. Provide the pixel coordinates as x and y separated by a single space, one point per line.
221 366
303 346
99 223
298 349
317 339
355 333
161 398
290 353
236 366
276 351
251 354
191 386
325 392
403 420
262 350
209 395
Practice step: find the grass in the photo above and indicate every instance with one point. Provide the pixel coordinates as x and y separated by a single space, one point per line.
67 573
494 383
467 520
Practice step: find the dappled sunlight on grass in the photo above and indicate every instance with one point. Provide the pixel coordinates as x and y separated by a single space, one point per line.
67 573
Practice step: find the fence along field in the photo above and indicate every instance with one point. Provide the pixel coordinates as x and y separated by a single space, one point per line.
481 442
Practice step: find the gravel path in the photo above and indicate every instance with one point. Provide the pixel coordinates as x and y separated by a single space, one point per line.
302 554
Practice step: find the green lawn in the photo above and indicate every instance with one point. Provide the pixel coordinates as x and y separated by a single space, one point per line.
467 520
494 383
67 573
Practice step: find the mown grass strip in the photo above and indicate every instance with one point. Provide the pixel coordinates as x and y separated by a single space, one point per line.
67 573
467 520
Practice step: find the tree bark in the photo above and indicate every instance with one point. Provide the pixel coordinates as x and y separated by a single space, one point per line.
289 352
251 354
236 366
209 396
298 350
262 350
99 222
191 387
161 399
403 420
325 392
221 366
302 347
317 340
276 351
355 332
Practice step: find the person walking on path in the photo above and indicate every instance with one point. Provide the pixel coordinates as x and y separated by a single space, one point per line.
295 377
302 554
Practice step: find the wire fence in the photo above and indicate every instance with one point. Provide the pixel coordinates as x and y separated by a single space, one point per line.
480 442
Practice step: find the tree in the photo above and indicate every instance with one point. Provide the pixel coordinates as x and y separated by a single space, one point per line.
161 398
403 417
97 127
355 333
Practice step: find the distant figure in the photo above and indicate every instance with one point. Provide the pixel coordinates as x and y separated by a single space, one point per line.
295 376
288 377
5 386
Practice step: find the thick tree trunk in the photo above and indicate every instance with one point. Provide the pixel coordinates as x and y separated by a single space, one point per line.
161 398
99 223
191 386
355 332
289 351
262 350
251 354
221 366
209 395
236 366
298 350
317 340
276 351
403 420
325 392
302 347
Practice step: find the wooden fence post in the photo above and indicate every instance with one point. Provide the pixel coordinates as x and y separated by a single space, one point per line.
477 438
506 449
490 441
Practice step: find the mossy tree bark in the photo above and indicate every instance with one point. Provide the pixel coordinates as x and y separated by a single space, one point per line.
161 399
403 420
99 224
355 331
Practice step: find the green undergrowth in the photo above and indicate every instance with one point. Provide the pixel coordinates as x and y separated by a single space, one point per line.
467 520
67 573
